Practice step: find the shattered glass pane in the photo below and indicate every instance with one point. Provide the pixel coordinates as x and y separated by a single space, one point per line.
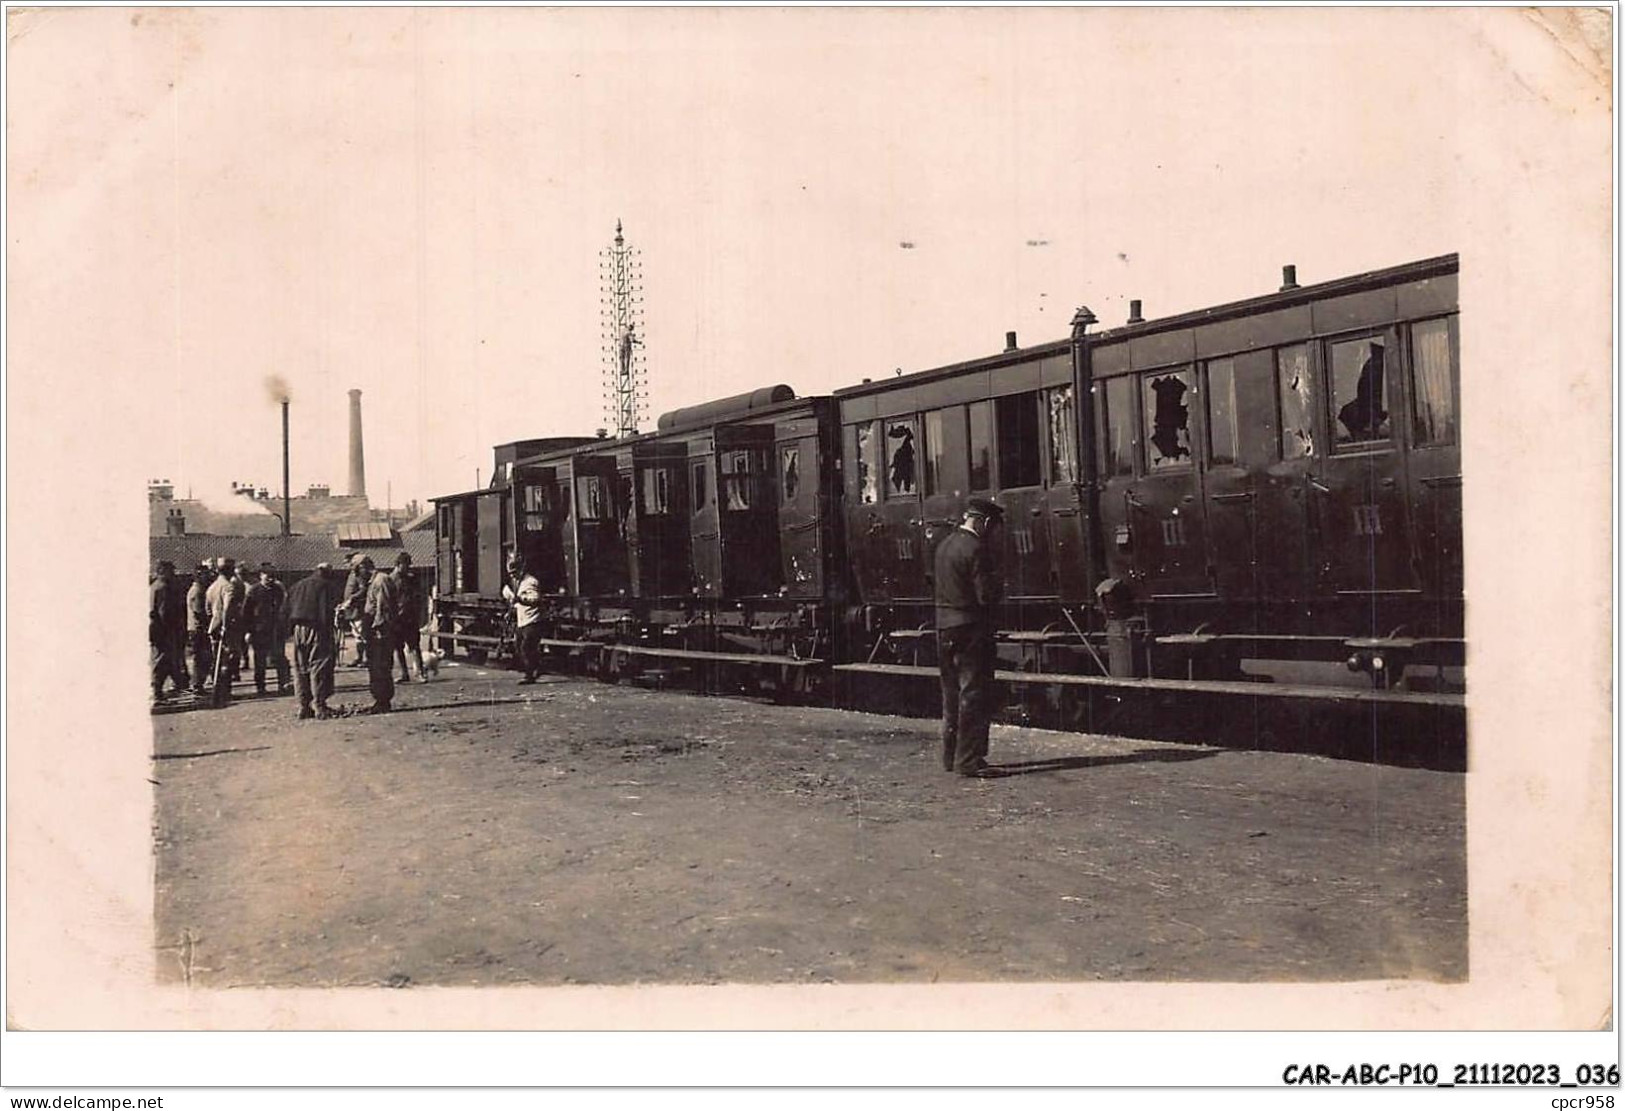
868 451
1359 390
1292 375
1168 417
901 464
1063 436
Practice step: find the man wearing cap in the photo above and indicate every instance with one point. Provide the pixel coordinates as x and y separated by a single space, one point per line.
267 635
525 595
197 625
968 588
225 600
382 618
166 630
308 611
355 603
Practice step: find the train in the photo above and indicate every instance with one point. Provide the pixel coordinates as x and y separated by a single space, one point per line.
1264 495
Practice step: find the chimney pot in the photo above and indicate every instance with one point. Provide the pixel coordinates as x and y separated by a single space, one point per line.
1289 278
1134 316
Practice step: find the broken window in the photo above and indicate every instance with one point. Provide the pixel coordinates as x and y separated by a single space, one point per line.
902 463
1168 418
868 453
981 445
1119 426
790 473
1018 440
1221 411
1359 389
1292 379
1063 436
1431 382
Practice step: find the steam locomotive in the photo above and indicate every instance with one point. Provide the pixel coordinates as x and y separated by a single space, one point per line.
1260 497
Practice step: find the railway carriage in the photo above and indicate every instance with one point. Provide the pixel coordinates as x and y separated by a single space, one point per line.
1267 491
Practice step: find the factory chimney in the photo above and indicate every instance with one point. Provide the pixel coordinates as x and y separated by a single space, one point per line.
358 469
287 522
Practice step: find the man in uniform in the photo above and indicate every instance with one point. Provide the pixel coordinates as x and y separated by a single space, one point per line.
166 625
526 598
197 625
355 603
267 634
225 599
381 618
967 590
308 611
408 629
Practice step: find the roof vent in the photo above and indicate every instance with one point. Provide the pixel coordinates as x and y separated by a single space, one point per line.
1289 278
1134 316
1009 341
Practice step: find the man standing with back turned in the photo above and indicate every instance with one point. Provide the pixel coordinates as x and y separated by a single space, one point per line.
967 590
308 611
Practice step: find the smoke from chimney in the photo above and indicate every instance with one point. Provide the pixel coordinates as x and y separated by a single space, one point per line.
358 469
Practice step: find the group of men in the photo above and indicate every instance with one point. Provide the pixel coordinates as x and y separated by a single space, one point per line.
225 621
227 617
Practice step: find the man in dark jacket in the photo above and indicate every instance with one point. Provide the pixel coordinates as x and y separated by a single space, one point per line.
267 635
968 588
355 604
166 630
308 612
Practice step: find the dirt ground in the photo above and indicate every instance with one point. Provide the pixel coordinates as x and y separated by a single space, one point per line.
574 832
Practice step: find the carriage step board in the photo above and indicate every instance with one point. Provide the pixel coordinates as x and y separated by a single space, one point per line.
1189 686
717 657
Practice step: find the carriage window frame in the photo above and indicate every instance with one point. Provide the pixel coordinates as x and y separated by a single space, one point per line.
932 452
866 456
1226 393
1061 440
982 409
1330 405
789 474
656 491
1305 405
586 511
699 481
893 458
1122 385
1149 413
739 476
535 509
1018 452
1453 380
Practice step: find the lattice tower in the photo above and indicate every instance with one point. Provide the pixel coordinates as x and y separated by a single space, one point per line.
626 395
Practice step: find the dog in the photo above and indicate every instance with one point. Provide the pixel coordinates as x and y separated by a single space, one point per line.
431 664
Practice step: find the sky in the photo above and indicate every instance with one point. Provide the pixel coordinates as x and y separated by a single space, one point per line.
413 202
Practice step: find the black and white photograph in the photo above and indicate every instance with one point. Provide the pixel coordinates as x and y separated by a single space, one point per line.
810 519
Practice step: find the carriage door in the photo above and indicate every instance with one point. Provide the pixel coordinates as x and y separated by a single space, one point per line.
600 551
1435 452
705 538
493 526
1362 533
944 480
1019 438
801 531
1238 418
747 511
540 525
1064 506
1166 508
902 529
